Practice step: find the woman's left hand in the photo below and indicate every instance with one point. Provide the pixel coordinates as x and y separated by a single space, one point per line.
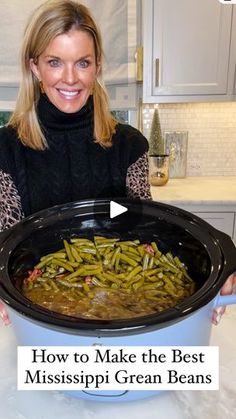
4 315
227 289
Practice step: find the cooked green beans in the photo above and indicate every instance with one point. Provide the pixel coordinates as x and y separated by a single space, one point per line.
134 279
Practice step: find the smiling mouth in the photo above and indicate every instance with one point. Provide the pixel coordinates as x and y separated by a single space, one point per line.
70 94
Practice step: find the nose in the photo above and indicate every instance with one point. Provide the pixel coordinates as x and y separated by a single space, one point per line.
70 75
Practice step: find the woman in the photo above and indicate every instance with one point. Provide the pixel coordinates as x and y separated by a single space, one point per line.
62 143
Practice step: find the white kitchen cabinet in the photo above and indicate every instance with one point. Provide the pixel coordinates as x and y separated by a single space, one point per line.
224 219
189 50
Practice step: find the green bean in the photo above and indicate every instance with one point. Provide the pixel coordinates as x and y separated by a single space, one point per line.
114 256
87 257
134 272
134 250
40 279
74 274
150 272
45 275
76 255
156 280
138 284
145 261
69 284
158 254
105 245
110 277
89 250
123 247
129 243
68 251
141 250
53 285
117 263
177 262
85 270
58 255
169 286
166 261
101 239
65 265
96 281
51 270
106 251
128 260
153 285
131 281
79 241
88 272
151 262
43 262
74 264
154 246
86 287
133 256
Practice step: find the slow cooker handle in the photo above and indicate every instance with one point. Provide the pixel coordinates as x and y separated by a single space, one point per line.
225 300
229 252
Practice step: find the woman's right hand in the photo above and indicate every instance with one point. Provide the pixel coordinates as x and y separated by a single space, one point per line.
227 289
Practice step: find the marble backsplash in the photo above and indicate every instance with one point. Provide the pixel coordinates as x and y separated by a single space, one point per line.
4 116
211 134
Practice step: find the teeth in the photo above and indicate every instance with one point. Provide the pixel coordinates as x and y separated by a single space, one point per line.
68 93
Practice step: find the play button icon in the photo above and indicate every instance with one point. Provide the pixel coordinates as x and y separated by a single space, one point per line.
116 209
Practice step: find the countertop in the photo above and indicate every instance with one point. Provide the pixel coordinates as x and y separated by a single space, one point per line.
210 190
175 405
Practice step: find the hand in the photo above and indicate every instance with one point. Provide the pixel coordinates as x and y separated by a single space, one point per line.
4 315
225 290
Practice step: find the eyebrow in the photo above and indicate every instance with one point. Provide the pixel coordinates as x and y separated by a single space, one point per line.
58 58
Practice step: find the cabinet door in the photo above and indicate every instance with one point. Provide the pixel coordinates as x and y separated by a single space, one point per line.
186 48
232 62
223 221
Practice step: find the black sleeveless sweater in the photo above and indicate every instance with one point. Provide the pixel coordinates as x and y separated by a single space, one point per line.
73 166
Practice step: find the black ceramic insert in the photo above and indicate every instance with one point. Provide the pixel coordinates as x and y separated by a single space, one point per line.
209 254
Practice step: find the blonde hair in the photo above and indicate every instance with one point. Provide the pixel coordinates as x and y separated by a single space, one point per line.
53 18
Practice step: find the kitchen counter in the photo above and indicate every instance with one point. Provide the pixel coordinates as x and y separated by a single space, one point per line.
175 405
197 190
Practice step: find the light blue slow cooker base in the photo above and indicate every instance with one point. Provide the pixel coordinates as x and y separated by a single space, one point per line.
191 331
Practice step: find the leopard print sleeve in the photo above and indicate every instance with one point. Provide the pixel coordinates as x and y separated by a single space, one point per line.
137 184
10 205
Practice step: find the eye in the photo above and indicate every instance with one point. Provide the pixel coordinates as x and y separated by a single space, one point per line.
54 63
84 63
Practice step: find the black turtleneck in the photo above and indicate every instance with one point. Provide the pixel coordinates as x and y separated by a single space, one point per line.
73 166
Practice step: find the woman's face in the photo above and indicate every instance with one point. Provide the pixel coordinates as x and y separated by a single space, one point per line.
67 69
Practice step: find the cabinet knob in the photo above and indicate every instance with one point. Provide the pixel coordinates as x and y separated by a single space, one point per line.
139 64
157 72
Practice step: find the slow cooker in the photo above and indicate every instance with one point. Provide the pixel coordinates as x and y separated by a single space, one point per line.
209 254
